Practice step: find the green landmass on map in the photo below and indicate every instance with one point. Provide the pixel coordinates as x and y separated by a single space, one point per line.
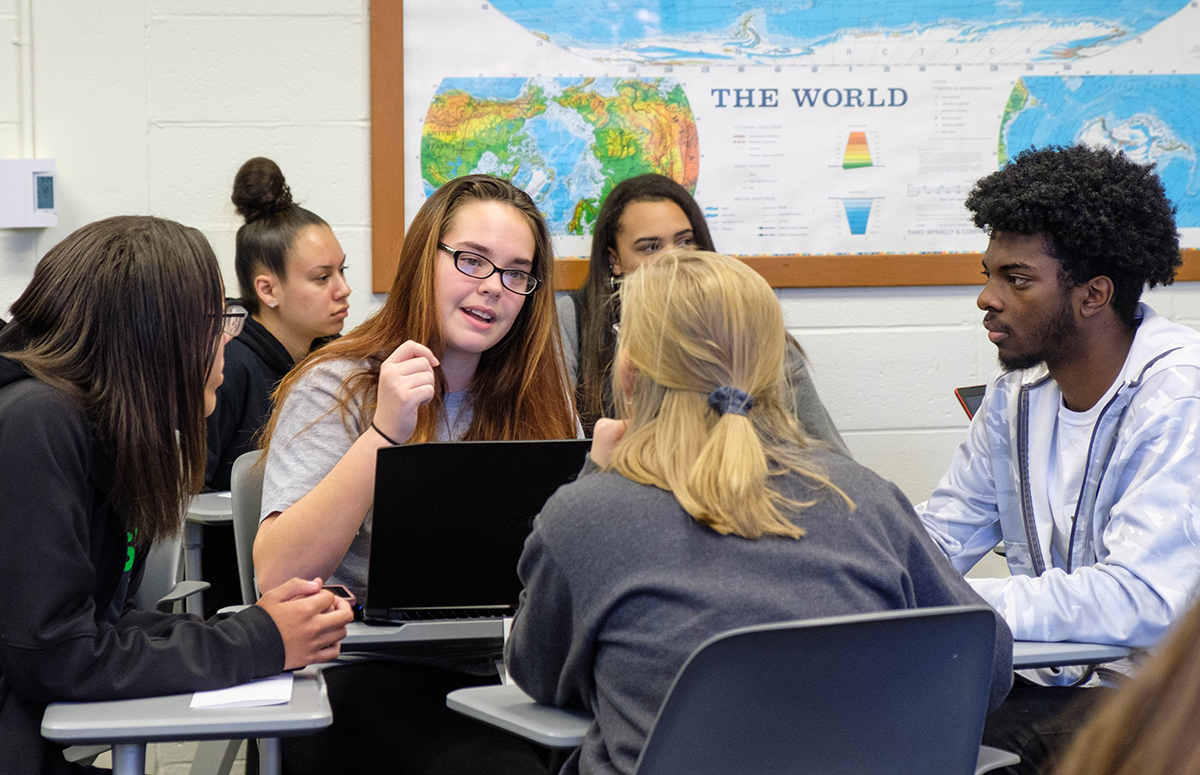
1017 102
566 142
459 129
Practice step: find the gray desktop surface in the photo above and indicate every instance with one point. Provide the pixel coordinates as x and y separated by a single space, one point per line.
373 635
169 718
509 708
1032 653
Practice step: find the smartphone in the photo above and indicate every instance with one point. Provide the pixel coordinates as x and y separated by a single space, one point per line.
970 398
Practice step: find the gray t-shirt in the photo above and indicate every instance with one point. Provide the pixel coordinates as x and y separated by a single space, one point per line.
311 437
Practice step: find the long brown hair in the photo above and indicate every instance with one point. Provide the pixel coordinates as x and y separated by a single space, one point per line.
692 322
522 385
597 299
124 314
1148 727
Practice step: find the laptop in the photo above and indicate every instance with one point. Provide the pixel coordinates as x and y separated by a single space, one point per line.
450 523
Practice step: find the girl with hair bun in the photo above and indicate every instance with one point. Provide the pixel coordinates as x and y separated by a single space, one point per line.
292 278
707 509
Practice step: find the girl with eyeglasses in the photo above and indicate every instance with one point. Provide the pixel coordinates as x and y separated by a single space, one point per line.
465 348
707 509
107 369
641 218
292 278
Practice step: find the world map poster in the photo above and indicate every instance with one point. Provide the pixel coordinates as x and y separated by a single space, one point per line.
811 127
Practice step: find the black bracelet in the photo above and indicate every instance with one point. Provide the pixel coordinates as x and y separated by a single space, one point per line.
386 437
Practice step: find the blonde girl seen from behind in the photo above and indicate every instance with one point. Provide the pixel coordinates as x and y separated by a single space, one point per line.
700 372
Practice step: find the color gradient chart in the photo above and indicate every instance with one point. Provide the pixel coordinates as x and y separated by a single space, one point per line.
858 153
858 213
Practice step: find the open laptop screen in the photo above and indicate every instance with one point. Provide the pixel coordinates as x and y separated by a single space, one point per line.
451 519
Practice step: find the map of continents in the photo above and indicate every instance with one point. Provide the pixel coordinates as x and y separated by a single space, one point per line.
565 141
1153 119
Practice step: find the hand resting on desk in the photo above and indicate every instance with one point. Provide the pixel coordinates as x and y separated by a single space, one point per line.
311 621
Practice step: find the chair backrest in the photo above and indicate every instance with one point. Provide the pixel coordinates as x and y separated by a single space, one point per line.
161 574
896 692
246 483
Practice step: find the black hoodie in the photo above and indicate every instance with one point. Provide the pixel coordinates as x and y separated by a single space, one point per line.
68 631
255 361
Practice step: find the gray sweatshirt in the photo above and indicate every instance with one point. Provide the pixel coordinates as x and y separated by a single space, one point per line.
621 585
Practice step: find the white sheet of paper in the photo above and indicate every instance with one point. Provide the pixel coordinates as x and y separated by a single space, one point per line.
265 691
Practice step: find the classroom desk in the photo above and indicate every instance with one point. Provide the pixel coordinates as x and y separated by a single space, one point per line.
360 635
1031 653
207 508
510 709
128 725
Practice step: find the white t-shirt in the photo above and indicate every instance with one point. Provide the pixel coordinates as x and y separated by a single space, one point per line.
1069 447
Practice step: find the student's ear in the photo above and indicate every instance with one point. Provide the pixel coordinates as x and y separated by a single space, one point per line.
1094 296
266 286
614 263
626 373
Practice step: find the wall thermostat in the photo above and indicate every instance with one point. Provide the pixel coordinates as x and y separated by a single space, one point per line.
28 193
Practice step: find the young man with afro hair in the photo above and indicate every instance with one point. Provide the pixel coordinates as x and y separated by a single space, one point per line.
1083 458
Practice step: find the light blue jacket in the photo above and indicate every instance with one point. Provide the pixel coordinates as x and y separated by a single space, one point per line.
1134 557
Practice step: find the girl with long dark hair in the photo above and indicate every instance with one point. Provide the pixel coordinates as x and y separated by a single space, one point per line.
642 217
107 370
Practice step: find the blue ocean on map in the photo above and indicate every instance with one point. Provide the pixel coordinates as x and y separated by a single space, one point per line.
600 25
489 88
1153 119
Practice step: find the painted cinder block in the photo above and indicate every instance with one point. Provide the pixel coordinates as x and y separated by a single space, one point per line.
875 307
327 167
889 379
247 69
914 460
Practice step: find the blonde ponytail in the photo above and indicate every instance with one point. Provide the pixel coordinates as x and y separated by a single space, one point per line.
703 339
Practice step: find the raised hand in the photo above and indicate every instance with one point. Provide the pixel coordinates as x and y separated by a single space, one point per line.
405 384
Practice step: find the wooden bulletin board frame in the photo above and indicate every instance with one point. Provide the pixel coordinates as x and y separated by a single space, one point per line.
800 271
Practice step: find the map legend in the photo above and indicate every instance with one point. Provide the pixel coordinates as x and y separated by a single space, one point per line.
858 212
858 154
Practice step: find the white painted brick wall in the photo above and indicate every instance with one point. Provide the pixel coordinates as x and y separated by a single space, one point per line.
10 83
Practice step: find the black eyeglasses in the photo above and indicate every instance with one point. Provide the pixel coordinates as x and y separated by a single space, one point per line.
475 265
234 319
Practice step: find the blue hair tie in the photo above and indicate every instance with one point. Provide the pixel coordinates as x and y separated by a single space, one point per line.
730 400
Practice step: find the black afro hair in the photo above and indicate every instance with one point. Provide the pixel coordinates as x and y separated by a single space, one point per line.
1101 214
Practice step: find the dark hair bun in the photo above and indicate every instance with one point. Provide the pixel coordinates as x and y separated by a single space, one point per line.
259 189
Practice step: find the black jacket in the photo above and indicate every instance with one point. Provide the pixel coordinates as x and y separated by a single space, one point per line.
255 361
67 629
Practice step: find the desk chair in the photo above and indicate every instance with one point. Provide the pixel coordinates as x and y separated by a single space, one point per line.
896 692
205 509
246 486
161 588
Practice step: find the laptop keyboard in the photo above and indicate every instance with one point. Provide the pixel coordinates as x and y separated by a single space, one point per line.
429 614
